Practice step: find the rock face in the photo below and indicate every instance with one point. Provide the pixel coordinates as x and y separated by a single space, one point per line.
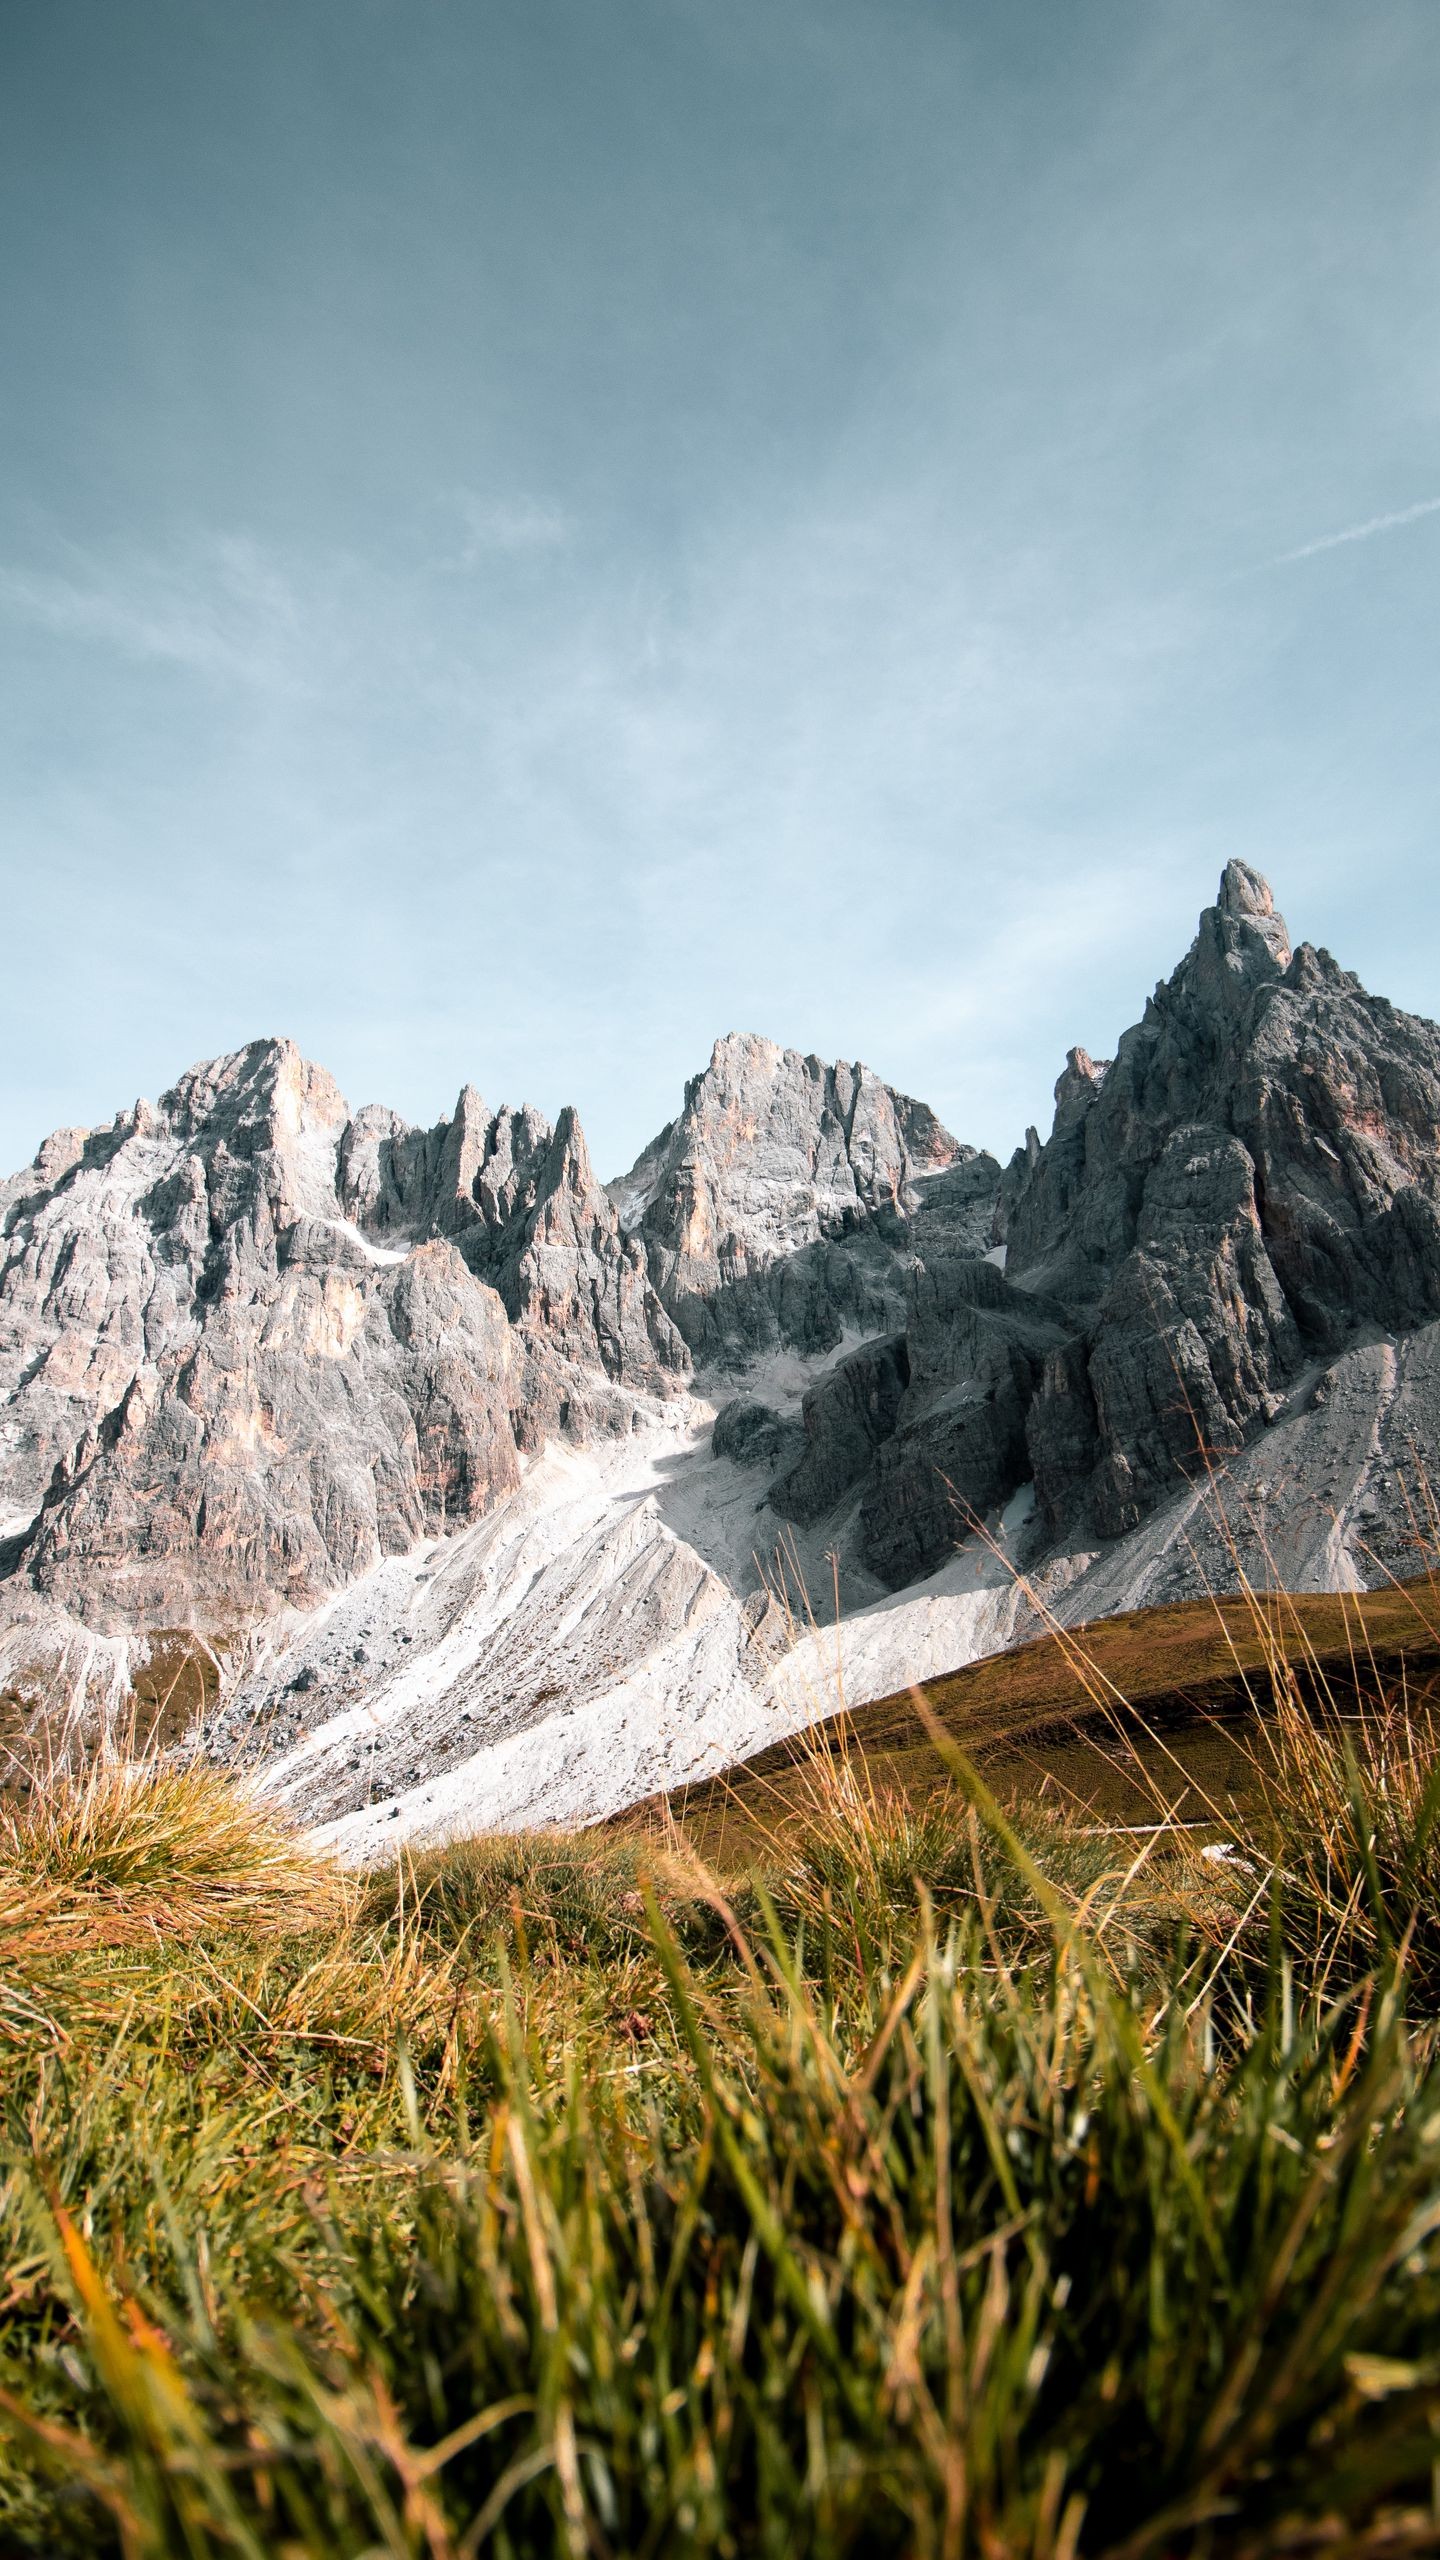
1253 1181
752 1433
522 1204
976 1350
850 1415
249 1345
1255 1177
771 1209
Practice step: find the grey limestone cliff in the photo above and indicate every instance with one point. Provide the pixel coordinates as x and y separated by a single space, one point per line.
1250 1186
1254 1180
249 1345
772 1209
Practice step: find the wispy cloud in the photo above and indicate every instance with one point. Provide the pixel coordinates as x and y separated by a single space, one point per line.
1357 532
513 524
223 608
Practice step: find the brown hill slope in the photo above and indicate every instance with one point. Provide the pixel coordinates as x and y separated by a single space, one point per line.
1158 1705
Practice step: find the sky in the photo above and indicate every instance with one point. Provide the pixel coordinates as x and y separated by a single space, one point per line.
534 533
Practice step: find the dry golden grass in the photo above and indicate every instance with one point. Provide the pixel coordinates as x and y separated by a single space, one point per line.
939 2178
127 1850
1157 1697
917 2190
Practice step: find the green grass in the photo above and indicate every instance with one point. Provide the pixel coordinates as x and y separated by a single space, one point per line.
937 2182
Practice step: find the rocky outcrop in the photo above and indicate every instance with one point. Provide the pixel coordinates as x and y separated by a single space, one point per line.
249 1345
1195 1343
119 1244
522 1204
770 1208
1249 1185
975 1351
1334 1095
308 1429
846 1418
751 1433
1253 1179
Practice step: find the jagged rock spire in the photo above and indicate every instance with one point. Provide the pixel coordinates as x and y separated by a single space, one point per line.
1247 1182
1246 899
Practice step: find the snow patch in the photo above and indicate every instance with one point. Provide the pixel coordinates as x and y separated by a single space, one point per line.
380 1254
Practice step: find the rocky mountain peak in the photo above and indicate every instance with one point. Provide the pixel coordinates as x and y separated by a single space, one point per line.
249 1342
1079 1081
821 1118
1245 892
265 1122
737 1059
1249 916
1240 951
1246 1186
776 1157
269 1088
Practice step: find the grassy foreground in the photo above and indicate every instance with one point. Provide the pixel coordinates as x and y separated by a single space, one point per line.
927 2186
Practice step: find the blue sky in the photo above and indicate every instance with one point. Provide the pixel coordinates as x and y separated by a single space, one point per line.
535 532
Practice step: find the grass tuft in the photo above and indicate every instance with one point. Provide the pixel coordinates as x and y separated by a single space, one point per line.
130 1848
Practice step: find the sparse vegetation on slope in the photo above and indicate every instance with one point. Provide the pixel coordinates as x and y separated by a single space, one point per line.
1171 1694
936 2180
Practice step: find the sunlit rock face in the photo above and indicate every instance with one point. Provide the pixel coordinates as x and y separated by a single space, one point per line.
249 1345
772 1208
522 1203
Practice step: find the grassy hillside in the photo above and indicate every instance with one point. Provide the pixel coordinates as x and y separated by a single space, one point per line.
915 2180
1154 1705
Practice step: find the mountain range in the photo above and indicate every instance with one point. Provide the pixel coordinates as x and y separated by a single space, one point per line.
489 1493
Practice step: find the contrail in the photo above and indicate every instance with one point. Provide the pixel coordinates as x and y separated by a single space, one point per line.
1358 532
